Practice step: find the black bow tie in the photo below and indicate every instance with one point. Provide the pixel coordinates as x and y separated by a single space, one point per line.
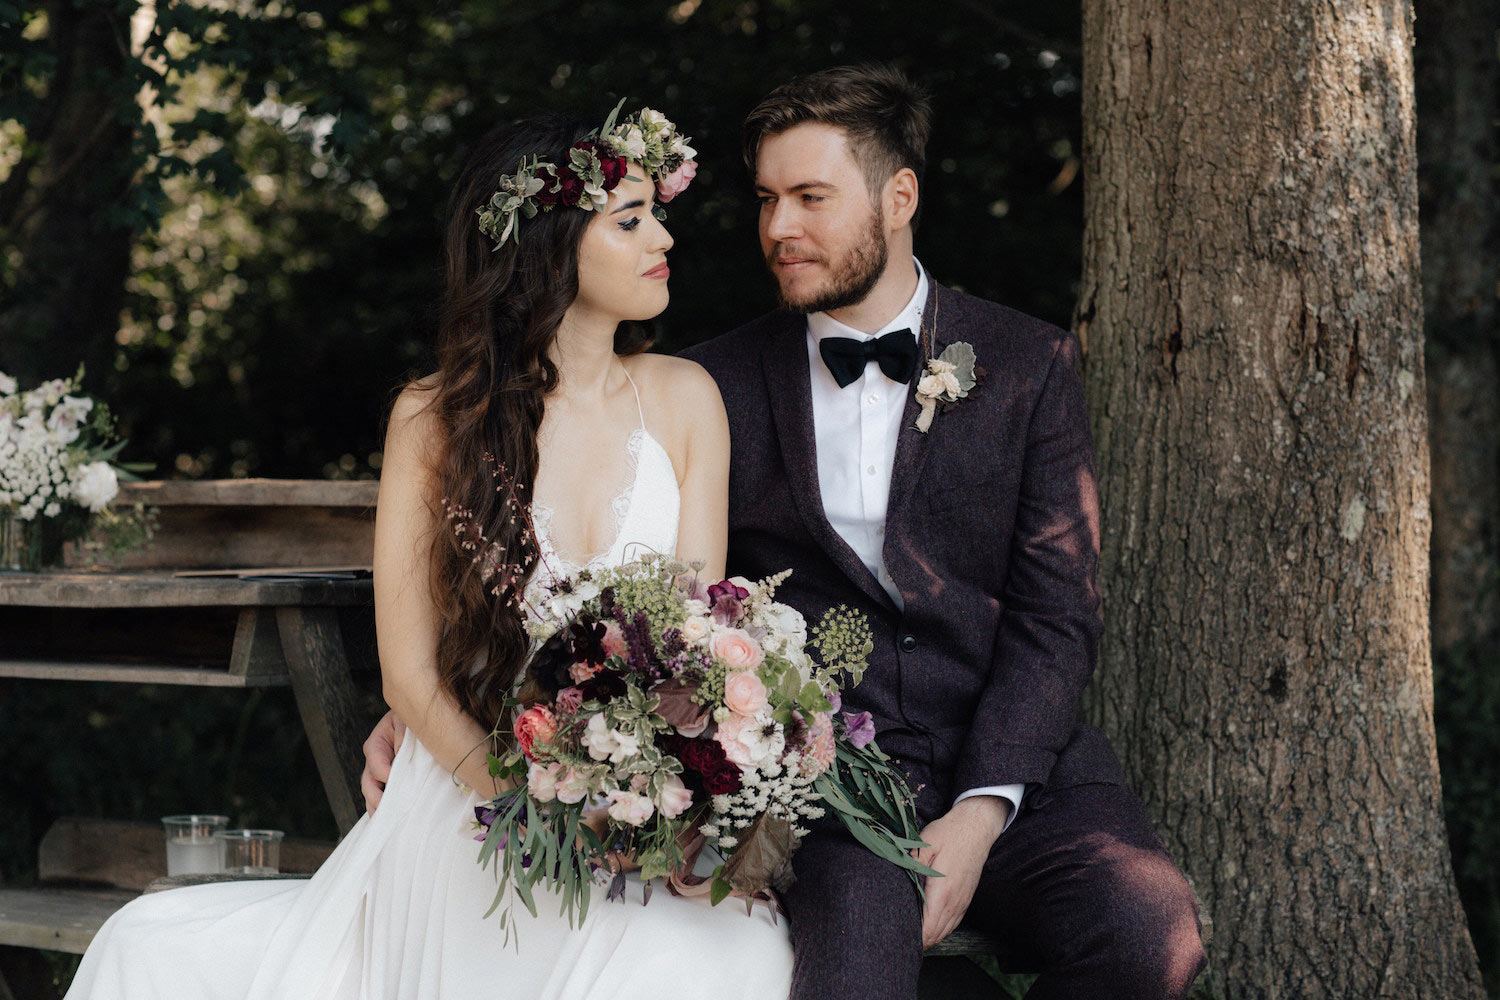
846 357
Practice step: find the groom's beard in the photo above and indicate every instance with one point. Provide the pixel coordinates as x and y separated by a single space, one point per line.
853 275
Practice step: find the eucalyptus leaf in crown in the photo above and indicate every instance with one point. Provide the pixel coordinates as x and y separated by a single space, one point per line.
595 166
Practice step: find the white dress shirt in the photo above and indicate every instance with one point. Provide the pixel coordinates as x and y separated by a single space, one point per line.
855 429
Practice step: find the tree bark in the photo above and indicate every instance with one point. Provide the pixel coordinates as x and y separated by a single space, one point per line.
63 214
1251 314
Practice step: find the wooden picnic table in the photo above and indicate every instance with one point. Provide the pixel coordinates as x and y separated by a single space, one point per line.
151 626
225 596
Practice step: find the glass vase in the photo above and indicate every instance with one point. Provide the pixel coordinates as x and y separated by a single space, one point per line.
21 548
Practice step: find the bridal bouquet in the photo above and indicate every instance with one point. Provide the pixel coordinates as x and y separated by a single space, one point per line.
695 714
57 466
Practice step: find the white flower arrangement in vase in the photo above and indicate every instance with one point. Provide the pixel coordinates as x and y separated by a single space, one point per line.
58 474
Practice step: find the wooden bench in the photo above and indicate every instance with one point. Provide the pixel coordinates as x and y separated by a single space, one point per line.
86 870
80 885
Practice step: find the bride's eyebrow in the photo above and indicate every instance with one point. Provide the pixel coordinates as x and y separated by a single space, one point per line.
637 203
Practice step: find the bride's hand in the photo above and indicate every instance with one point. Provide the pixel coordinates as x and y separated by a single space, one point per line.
597 819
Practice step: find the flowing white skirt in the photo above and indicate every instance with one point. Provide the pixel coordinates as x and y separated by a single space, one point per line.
397 911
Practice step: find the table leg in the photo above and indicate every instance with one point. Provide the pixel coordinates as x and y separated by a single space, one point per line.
327 702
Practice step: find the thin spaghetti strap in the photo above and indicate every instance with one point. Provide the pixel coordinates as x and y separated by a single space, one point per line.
637 392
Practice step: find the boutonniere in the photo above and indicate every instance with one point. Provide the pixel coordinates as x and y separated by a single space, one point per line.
950 376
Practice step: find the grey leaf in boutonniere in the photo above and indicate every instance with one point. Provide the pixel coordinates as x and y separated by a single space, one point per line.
950 376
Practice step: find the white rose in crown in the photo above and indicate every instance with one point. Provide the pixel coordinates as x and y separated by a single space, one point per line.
950 376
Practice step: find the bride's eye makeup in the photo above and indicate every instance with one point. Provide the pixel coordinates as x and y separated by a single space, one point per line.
630 224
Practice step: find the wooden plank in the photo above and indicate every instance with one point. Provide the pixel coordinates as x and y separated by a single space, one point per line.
182 881
57 919
208 536
252 492
161 589
130 854
963 941
327 702
136 673
257 646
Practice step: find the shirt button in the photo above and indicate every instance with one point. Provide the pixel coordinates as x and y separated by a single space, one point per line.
871 470
908 644
872 398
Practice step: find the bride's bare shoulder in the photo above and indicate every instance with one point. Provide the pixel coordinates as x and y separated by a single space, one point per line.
413 409
413 434
677 386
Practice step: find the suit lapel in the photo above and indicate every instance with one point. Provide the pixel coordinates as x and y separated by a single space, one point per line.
789 386
911 444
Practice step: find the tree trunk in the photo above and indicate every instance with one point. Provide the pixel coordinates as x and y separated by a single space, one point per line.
1458 93
64 224
1251 312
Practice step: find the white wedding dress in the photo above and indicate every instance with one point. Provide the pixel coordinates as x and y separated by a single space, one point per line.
397 911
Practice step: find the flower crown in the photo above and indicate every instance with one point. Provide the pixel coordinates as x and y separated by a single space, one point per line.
596 165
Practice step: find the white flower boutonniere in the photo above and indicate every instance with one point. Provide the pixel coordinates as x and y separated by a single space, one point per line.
950 376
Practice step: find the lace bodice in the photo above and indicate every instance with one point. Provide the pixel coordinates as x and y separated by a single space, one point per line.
645 511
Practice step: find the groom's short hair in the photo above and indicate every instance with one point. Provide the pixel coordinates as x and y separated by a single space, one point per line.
887 118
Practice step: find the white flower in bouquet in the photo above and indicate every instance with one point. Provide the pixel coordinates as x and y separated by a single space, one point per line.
66 419
574 786
697 629
95 485
49 393
674 797
786 629
630 808
542 780
604 743
751 741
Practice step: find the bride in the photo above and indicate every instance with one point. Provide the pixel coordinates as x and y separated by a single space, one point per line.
553 245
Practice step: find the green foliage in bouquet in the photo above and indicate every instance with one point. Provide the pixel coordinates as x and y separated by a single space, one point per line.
876 805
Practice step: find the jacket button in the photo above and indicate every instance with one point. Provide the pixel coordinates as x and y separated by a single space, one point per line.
908 644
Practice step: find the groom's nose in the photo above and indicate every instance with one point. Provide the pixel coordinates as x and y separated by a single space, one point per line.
782 222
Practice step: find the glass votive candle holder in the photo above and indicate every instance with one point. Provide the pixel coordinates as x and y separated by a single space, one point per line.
252 852
193 844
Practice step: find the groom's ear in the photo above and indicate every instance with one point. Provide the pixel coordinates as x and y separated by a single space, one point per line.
899 198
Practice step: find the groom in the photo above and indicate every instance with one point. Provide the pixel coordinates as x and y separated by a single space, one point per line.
971 547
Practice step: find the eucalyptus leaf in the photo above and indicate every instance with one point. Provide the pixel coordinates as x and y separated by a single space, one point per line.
961 356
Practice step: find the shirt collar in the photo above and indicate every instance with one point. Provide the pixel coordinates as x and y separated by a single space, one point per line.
820 325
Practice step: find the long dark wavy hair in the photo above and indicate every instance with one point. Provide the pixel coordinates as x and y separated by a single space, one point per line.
500 312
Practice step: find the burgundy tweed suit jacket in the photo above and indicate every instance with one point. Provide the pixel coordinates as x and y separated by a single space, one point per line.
992 536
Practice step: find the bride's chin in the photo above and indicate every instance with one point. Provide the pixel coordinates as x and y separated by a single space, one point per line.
651 310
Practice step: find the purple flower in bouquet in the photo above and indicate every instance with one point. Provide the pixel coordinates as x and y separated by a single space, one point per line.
860 728
640 651
726 599
485 816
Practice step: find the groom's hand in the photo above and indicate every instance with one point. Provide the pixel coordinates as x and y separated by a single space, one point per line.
958 844
380 754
